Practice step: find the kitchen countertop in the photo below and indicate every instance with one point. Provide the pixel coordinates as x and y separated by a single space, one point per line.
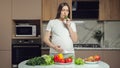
97 48
100 64
89 48
78 47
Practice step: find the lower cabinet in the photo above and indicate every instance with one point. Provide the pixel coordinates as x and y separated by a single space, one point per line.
84 53
5 59
110 56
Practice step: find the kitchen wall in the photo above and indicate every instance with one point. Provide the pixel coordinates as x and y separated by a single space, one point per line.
86 30
112 34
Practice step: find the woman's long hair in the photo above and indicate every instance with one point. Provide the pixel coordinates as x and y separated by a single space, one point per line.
60 9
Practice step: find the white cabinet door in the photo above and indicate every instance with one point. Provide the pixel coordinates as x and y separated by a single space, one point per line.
26 9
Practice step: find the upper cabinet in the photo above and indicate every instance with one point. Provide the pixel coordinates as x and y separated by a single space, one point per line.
85 9
109 10
96 9
26 9
49 8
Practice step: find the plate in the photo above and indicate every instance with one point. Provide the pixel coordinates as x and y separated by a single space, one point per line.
89 62
63 63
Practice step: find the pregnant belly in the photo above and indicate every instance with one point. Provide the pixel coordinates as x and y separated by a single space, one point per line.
64 44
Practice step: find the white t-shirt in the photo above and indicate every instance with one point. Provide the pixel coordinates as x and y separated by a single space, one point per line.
60 35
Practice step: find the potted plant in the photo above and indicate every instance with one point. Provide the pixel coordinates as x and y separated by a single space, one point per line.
98 34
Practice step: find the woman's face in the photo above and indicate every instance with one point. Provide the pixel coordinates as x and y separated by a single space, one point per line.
64 12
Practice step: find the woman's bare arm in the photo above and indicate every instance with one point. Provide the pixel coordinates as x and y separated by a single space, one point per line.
49 43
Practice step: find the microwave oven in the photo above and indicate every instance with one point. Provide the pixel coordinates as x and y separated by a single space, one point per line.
25 30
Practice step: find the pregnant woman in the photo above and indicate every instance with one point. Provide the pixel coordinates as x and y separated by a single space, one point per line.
61 32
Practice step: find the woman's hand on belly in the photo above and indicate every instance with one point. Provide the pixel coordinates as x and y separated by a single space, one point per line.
58 49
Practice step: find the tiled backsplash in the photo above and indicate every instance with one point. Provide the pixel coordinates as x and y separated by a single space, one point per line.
86 30
112 34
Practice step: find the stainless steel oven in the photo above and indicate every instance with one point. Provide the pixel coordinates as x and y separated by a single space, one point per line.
24 49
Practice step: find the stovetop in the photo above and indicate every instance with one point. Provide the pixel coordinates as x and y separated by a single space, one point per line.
87 46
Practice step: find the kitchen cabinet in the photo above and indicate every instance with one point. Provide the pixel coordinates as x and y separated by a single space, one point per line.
112 57
109 9
85 9
49 8
5 59
5 25
26 9
5 33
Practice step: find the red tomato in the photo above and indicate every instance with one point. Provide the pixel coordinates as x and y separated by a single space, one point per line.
67 60
56 58
62 60
97 57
